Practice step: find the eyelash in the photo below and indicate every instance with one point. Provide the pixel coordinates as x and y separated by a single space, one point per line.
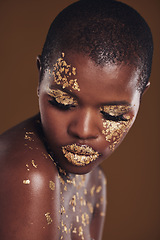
67 107
113 118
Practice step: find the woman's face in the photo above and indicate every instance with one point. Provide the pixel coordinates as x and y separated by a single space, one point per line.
86 110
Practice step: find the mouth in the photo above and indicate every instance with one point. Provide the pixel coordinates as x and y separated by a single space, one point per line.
79 155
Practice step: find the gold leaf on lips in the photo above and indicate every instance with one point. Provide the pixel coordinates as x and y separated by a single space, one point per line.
79 155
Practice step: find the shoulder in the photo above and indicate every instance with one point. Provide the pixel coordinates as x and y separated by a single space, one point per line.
28 186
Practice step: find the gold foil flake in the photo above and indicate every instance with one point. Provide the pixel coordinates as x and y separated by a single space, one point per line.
92 190
85 219
62 97
64 227
77 193
77 218
102 214
52 185
85 191
99 188
61 237
114 130
105 181
102 200
61 180
65 188
48 218
79 155
62 72
34 165
80 232
63 210
73 203
115 110
26 181
97 205
74 230
90 206
27 167
28 136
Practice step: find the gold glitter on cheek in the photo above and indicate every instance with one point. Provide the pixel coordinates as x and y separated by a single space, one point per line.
62 72
114 131
48 218
26 181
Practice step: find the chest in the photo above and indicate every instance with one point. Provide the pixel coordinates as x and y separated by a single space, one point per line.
76 208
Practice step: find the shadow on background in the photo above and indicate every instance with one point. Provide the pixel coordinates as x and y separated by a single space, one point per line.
133 171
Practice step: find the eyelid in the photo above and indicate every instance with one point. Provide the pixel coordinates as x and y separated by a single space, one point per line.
62 97
115 110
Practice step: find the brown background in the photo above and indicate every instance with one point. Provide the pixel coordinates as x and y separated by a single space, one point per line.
133 171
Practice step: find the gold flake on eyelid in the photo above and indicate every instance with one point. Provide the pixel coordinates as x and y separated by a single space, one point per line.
48 218
115 110
62 97
62 71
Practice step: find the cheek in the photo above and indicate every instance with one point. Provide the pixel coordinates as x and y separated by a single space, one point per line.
114 132
53 124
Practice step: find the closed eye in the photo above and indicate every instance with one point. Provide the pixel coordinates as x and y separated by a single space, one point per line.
61 106
113 118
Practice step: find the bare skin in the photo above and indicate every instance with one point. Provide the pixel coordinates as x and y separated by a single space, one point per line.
24 207
42 198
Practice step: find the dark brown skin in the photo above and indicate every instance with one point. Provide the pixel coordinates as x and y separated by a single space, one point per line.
23 206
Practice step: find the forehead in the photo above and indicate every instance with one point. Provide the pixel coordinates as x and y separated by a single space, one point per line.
108 83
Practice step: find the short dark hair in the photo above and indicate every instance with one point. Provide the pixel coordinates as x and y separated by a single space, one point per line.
107 31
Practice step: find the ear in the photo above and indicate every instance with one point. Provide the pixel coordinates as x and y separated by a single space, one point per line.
146 88
39 63
39 66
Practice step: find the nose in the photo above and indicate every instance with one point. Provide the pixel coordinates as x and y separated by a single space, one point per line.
84 125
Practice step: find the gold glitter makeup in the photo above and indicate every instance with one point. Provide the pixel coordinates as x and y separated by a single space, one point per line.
52 185
99 188
62 97
27 167
28 136
92 190
62 72
26 181
48 218
34 165
102 214
90 206
115 128
79 155
115 110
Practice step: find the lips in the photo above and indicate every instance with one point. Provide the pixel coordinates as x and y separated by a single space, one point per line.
79 155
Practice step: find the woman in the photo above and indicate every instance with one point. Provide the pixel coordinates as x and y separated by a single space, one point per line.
93 71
